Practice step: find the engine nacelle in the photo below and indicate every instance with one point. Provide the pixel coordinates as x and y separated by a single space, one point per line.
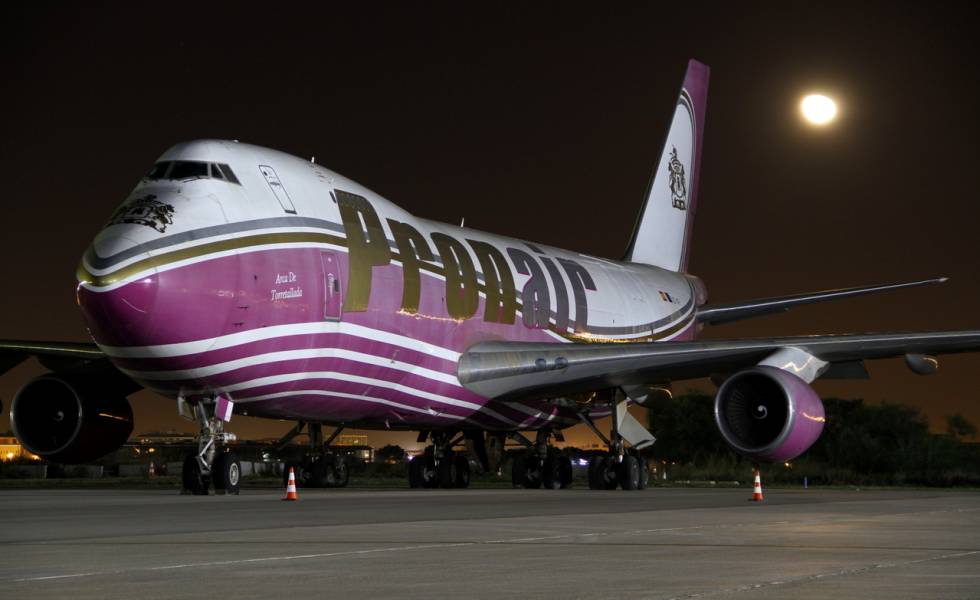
63 419
768 414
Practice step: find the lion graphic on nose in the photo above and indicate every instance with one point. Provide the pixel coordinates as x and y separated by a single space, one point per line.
145 211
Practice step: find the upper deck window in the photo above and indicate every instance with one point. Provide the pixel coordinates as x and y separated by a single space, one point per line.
183 170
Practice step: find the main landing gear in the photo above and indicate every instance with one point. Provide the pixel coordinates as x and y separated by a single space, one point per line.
319 468
620 467
543 465
440 466
209 465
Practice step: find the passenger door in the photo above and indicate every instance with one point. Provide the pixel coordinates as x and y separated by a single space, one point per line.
278 189
332 294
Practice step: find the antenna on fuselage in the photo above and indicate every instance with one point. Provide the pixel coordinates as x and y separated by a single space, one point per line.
463 222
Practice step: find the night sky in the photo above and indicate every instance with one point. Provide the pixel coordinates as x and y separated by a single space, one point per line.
541 124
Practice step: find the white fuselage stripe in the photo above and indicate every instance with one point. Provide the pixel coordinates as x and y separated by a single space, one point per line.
288 355
276 331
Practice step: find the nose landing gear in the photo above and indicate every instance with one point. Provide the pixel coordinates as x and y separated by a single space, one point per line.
209 466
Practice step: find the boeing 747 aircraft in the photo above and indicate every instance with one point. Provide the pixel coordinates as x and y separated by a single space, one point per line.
235 279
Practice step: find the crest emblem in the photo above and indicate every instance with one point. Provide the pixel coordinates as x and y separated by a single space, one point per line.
678 184
145 211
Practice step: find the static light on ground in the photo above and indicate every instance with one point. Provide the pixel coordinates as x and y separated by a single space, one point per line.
818 109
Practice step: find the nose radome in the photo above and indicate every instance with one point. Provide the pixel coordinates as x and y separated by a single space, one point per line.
118 295
112 242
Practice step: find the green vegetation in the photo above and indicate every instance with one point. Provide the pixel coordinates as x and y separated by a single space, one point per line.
862 444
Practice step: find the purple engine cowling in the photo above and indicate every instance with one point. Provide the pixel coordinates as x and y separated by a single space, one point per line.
768 414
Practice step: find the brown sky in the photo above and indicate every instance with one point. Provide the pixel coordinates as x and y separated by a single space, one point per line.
553 115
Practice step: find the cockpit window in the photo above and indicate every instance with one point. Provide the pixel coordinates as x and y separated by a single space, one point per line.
182 170
159 170
229 174
186 169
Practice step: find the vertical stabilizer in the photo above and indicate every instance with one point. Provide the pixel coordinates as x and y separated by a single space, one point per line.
663 228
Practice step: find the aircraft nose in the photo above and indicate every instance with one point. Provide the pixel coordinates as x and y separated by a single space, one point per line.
117 291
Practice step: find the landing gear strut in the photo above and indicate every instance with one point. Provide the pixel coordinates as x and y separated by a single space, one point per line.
209 465
439 466
544 465
319 468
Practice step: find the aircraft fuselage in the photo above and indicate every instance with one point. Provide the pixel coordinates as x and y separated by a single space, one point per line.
300 294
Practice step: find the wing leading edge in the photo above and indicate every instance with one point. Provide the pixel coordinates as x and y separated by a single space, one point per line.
506 370
57 356
725 313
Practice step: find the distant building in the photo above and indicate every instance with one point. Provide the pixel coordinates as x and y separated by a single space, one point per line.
10 449
354 439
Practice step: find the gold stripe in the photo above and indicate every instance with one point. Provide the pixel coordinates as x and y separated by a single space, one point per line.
85 276
587 338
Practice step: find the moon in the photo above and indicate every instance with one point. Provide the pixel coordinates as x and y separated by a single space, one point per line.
818 109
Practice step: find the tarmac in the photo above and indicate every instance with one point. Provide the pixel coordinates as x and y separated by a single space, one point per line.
482 543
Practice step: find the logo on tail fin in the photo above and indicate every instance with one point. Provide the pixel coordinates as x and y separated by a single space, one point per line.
678 186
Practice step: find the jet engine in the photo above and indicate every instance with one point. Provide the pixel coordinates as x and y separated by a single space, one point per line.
63 419
768 414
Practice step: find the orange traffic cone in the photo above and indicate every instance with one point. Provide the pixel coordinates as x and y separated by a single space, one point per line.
757 488
291 486
152 471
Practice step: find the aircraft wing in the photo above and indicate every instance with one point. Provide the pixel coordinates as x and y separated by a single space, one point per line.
57 356
725 313
507 370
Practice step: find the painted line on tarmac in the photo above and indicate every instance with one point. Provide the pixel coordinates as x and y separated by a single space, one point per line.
818 576
627 532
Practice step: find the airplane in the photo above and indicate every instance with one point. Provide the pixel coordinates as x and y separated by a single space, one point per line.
235 279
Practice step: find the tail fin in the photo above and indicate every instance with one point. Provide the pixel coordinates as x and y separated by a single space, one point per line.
662 232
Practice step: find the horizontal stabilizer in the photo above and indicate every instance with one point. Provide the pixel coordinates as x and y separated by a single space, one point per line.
725 313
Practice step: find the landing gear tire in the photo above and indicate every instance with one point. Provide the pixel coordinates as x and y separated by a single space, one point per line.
644 473
192 479
517 471
447 473
462 479
527 472
595 473
316 473
338 474
565 471
629 473
227 473
430 472
416 472
608 468
557 472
